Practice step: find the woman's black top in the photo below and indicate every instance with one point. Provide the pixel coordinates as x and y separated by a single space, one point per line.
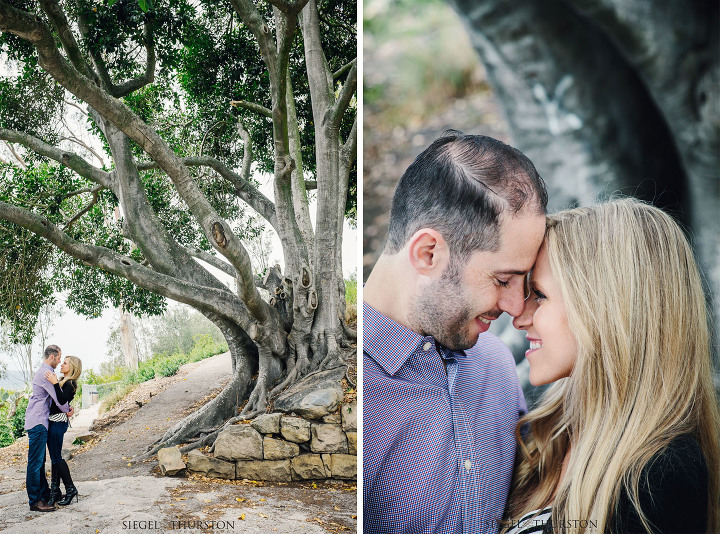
673 493
64 394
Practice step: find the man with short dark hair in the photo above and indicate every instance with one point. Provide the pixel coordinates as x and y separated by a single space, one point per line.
36 426
441 398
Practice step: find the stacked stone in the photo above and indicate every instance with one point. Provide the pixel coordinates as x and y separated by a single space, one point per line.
312 436
282 448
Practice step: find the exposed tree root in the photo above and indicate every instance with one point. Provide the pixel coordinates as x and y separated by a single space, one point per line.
213 414
201 428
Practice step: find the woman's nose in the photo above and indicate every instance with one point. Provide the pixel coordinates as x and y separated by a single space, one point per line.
524 320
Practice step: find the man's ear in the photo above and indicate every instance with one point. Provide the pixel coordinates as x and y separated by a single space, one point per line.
428 252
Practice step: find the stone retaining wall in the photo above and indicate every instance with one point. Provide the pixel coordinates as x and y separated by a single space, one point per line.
282 448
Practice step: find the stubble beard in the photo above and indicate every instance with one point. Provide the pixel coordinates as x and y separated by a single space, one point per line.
442 311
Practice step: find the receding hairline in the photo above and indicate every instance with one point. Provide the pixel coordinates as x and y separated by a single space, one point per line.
515 165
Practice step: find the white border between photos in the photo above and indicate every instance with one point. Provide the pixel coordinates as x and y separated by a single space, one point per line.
359 275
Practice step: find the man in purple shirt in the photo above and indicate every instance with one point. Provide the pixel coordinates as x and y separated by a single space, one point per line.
36 426
441 398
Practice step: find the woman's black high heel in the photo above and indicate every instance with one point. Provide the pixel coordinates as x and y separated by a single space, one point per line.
71 492
70 489
55 493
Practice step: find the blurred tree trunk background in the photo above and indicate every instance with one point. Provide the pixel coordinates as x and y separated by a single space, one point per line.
613 95
604 96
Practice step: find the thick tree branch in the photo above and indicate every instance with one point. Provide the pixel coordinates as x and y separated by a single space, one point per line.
297 179
148 76
253 19
275 54
348 151
213 260
96 196
257 108
217 301
59 21
319 76
243 188
342 70
345 96
70 160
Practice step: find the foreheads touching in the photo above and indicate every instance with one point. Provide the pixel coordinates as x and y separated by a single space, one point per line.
460 186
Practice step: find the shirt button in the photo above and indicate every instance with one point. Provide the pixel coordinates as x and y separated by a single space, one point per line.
427 346
468 465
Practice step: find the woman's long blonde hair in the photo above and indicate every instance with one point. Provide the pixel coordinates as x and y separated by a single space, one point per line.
643 376
75 365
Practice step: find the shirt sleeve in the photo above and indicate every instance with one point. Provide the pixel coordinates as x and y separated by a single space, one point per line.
48 386
65 394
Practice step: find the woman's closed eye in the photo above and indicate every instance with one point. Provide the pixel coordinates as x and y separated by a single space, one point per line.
539 295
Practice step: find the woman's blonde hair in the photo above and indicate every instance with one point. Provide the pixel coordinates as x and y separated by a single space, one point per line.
73 373
643 376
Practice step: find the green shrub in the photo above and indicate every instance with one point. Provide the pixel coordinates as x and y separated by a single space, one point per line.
351 299
7 436
169 366
18 420
205 346
163 364
12 415
145 373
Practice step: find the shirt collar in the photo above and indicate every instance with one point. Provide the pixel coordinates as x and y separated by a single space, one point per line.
390 344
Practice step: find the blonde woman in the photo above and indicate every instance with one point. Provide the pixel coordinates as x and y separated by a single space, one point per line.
626 439
57 426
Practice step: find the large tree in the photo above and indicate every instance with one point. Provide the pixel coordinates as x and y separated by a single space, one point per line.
611 95
190 99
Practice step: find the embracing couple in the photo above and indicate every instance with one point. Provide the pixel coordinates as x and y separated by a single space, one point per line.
610 298
46 421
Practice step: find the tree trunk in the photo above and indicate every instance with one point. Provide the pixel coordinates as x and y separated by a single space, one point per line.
127 337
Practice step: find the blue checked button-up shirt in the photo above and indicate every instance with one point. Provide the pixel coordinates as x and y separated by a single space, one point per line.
438 441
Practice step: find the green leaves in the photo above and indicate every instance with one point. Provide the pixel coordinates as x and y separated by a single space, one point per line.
145 5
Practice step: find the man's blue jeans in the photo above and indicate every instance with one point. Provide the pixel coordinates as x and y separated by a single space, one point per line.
35 480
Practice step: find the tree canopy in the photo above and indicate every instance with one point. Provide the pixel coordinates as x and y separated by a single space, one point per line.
205 58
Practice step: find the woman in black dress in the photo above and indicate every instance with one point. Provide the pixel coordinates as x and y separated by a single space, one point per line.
57 426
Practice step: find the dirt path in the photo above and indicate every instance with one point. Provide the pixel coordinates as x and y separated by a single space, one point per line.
119 494
115 454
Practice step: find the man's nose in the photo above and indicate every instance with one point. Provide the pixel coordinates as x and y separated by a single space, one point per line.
512 301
